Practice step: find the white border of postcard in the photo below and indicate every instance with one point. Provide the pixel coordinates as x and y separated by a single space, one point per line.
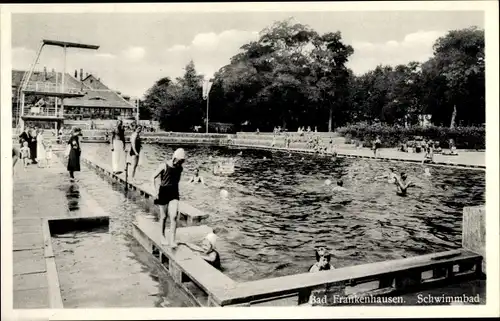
490 9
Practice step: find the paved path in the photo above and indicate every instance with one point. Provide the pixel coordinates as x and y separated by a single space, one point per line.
39 193
463 159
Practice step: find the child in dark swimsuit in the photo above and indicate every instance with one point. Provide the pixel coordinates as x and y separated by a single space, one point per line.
207 250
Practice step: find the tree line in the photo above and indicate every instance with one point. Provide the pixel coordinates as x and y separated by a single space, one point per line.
293 76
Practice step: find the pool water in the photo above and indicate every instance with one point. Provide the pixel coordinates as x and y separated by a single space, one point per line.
107 267
279 209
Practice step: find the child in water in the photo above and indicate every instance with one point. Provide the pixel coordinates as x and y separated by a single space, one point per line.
323 259
402 185
207 250
340 186
390 176
197 178
25 154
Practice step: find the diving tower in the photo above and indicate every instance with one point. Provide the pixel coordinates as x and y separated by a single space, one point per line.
51 106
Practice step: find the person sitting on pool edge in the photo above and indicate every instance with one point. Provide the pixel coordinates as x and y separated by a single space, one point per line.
197 178
207 250
323 259
402 185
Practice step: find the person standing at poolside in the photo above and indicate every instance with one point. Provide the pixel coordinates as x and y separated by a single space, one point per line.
24 137
60 135
40 148
32 144
25 154
74 153
376 146
167 197
118 148
135 149
15 157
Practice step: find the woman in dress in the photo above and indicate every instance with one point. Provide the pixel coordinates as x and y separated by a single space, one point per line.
118 149
33 145
74 153
40 148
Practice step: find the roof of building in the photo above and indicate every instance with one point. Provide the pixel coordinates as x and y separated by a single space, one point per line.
96 93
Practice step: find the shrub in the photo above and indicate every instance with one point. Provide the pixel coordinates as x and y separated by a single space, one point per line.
471 137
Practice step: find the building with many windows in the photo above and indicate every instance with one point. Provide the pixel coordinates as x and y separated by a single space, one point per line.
92 98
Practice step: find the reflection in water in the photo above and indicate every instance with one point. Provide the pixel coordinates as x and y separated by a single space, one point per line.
279 209
73 196
97 269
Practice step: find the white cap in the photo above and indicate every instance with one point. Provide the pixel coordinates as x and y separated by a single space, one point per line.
212 238
179 154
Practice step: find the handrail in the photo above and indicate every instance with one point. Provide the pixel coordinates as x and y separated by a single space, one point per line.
41 86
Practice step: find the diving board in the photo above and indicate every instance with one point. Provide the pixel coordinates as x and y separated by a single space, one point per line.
68 44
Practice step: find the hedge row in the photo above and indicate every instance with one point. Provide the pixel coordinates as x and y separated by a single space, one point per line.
393 136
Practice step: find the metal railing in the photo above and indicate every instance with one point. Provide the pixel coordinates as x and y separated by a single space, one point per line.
50 87
48 111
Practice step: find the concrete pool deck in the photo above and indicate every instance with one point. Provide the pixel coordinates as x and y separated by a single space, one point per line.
38 195
466 159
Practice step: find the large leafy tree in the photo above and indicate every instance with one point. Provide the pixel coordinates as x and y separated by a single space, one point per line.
459 58
292 76
177 105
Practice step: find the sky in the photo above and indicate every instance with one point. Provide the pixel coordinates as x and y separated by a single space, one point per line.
136 49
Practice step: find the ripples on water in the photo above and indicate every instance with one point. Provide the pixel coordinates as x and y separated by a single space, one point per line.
107 267
279 209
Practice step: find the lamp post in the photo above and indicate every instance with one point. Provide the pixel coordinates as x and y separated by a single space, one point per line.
137 110
207 85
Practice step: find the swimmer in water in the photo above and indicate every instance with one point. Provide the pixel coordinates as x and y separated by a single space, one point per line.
390 176
323 259
207 250
340 186
402 184
197 178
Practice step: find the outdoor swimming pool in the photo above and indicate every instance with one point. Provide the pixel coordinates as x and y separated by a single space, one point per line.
279 209
106 268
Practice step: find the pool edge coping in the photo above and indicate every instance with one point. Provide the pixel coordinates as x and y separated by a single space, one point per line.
347 155
54 287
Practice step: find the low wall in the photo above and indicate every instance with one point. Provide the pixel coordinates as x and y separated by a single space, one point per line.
474 231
